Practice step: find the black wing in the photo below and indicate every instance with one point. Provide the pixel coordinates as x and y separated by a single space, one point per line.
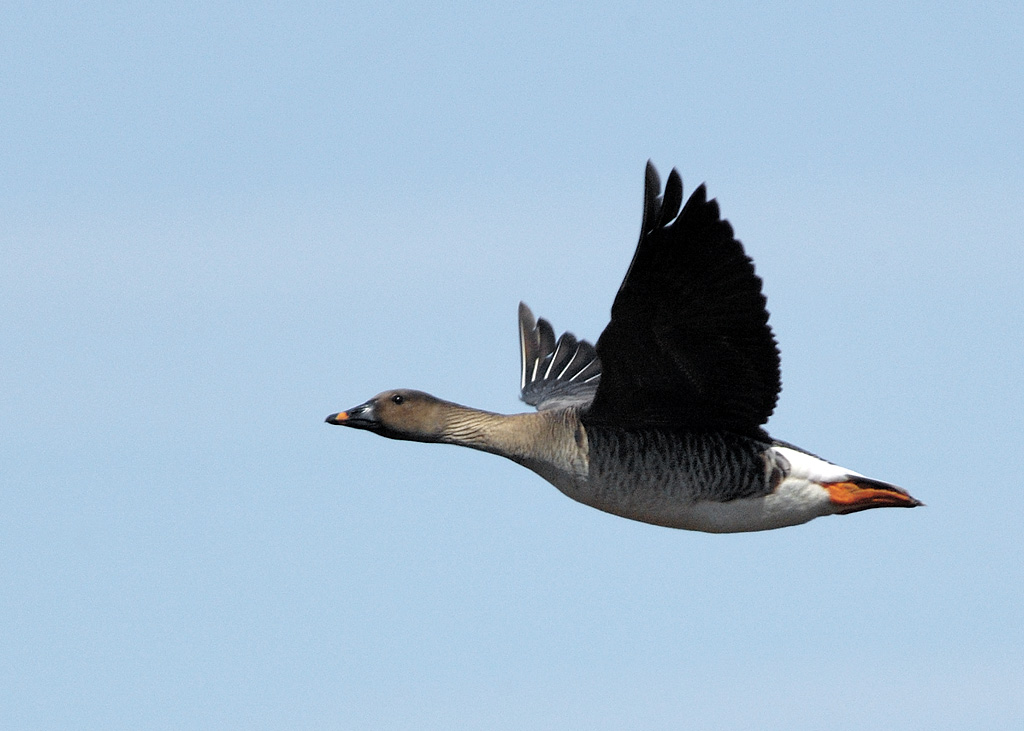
688 345
554 374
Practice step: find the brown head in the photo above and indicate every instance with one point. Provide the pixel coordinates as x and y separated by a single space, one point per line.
399 414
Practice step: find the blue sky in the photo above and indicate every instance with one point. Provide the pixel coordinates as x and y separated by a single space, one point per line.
223 223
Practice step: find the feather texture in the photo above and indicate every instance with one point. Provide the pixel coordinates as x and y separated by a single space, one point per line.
555 374
688 345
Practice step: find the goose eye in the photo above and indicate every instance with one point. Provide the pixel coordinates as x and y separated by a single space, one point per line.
398 399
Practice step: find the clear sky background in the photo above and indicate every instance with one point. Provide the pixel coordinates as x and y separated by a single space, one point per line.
223 221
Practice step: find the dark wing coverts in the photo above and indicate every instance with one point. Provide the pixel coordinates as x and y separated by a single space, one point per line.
688 345
554 374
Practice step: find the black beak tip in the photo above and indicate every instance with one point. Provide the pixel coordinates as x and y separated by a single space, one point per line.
333 419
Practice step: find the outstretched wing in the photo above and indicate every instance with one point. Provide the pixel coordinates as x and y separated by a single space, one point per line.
688 345
555 374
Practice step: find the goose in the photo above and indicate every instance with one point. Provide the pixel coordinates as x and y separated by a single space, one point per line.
663 420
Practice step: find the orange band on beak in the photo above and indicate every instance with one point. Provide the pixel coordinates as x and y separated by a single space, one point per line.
337 418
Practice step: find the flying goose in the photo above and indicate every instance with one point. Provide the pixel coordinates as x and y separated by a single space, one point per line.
662 421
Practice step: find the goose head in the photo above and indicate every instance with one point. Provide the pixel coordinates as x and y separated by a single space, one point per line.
399 414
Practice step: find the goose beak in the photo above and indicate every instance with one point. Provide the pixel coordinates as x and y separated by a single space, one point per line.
359 417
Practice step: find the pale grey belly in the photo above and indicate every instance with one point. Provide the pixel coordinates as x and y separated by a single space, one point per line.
694 481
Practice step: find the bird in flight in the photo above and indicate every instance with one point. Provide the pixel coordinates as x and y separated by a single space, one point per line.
663 420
